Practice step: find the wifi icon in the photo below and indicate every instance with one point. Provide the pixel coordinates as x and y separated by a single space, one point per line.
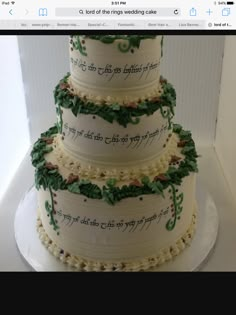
13 2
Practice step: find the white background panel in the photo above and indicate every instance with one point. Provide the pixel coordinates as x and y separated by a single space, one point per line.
44 61
193 64
14 131
226 126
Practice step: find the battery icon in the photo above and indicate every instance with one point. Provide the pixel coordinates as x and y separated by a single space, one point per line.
230 2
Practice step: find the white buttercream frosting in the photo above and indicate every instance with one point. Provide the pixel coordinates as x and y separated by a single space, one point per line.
147 167
104 71
145 264
131 229
124 97
91 138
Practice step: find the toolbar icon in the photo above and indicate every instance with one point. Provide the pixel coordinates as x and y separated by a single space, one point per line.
43 12
209 12
193 12
225 12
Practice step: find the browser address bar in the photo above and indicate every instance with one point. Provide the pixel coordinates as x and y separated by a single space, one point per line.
127 12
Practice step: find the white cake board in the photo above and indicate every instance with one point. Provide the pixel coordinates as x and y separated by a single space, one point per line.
191 259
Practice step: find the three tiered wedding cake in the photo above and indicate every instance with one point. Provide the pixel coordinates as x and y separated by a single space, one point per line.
115 176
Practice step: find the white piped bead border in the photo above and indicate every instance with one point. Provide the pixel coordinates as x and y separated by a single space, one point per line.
157 165
81 264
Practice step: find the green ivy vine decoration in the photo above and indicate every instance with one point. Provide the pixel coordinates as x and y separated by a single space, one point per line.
177 203
123 115
125 46
60 119
131 41
50 210
167 114
162 39
78 44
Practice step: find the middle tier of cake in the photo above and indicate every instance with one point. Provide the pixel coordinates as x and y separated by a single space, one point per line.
115 134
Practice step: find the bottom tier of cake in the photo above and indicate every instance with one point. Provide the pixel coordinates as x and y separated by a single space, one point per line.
131 220
146 263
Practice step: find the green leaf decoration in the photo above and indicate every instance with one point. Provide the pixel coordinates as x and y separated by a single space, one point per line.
193 166
51 131
177 128
91 191
184 133
123 115
111 182
47 149
84 182
143 106
107 39
187 148
159 185
35 157
145 180
74 188
156 188
108 197
159 188
171 170
52 171
40 164
115 107
48 207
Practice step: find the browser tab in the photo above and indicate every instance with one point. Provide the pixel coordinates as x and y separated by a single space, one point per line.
127 24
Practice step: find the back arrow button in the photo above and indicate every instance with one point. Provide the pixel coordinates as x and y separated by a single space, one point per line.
11 12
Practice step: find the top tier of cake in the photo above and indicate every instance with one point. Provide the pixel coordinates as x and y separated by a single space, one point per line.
115 68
